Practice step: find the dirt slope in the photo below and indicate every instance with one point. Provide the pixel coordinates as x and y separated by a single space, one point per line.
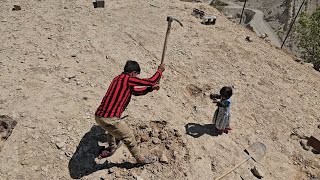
57 59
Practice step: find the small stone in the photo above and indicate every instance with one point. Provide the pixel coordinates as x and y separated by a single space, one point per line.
60 145
144 138
57 65
16 8
139 178
304 145
298 59
143 126
110 171
167 146
257 172
176 133
248 39
175 154
68 154
70 75
153 133
163 135
156 141
24 162
66 79
164 159
35 168
184 141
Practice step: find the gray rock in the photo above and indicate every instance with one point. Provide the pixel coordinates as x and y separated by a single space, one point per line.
156 141
16 8
304 145
68 154
163 135
144 138
60 144
257 172
164 159
177 133
153 133
110 171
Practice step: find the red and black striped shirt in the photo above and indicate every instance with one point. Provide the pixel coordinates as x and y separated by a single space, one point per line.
120 90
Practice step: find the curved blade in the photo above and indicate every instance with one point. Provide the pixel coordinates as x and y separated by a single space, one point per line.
256 151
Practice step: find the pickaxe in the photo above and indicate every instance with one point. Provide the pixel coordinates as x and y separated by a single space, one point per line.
169 19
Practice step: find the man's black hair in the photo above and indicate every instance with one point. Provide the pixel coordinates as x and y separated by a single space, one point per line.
132 66
226 92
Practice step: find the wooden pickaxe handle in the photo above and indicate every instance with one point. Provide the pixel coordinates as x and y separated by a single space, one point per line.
169 19
229 171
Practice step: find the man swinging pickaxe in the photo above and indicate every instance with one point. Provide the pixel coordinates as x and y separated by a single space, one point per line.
169 19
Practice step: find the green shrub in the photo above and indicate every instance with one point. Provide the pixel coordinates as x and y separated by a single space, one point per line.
308 33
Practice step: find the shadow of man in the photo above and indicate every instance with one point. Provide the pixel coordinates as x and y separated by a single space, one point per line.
197 130
83 161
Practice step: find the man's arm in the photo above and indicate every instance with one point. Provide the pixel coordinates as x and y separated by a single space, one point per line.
135 81
139 91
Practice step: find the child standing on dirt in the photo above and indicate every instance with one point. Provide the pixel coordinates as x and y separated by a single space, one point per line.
114 103
221 118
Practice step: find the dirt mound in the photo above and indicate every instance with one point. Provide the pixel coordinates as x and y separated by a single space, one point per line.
156 138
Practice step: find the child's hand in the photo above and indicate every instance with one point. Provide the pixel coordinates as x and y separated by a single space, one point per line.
215 96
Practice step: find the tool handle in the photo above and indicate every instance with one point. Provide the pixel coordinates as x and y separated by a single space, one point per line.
226 173
165 42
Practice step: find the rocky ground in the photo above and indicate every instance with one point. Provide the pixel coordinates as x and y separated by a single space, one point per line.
57 59
279 15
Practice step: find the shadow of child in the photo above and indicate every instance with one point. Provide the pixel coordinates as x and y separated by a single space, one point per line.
196 130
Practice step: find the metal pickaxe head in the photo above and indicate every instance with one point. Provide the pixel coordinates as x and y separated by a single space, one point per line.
170 19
